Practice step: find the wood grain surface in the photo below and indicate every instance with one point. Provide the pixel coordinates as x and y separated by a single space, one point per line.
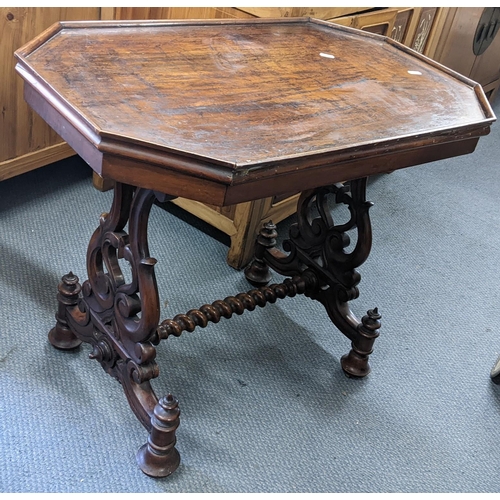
256 97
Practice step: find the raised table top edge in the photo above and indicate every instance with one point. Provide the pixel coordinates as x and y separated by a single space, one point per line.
221 171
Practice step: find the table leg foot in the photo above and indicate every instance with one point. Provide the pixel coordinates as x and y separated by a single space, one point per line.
355 364
257 272
61 336
159 457
118 317
320 249
63 339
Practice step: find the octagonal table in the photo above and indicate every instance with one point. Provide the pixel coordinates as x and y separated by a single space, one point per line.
225 112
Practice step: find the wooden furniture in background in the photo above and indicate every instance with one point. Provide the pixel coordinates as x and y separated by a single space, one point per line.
26 141
470 44
132 13
412 26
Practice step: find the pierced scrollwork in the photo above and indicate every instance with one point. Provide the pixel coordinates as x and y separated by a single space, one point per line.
124 314
119 317
318 245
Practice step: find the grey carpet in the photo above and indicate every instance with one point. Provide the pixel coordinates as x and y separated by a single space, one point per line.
265 405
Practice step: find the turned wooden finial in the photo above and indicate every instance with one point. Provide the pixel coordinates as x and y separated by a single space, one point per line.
159 457
258 273
61 335
371 322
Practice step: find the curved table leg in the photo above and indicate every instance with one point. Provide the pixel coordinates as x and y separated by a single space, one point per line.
119 318
317 246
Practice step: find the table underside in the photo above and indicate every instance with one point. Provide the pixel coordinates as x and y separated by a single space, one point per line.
120 319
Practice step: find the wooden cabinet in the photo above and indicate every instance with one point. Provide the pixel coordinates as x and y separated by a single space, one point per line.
132 13
469 43
316 12
412 26
379 21
26 141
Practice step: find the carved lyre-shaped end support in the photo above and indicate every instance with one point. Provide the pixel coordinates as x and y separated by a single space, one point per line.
355 364
61 335
257 272
159 457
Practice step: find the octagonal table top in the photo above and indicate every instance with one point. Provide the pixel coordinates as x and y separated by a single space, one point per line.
236 104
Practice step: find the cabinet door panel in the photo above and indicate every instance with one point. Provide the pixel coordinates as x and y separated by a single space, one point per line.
401 24
424 27
456 50
486 67
21 130
379 22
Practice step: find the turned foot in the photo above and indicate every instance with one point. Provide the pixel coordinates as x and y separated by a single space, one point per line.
258 273
61 336
355 364
159 457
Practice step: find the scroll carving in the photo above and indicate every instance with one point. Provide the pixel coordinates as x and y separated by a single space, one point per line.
118 317
114 315
318 245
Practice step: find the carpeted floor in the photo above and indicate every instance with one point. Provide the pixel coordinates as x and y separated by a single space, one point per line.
265 405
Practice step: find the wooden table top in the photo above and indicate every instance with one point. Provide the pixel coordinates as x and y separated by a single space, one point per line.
246 109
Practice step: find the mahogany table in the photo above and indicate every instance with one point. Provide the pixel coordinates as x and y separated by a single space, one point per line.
225 112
